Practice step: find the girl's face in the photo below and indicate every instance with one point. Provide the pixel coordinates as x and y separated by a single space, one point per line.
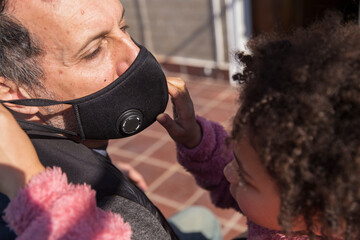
252 187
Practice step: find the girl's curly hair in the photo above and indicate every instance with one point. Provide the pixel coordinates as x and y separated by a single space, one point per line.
301 103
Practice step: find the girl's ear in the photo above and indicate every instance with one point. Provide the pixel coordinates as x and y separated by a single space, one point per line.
10 91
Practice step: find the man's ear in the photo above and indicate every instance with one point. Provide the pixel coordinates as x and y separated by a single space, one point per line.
10 91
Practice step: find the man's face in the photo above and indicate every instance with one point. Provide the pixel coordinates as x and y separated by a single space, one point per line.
85 41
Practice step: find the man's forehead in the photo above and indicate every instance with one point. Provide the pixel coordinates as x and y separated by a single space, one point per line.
59 20
17 5
57 9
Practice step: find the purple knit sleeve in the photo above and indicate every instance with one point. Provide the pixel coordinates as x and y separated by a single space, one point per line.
50 208
207 161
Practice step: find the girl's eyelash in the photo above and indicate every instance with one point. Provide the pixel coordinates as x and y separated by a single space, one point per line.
242 181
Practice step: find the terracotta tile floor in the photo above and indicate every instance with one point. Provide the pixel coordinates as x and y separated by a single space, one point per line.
152 153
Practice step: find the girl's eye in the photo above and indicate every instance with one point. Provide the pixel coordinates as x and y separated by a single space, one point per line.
242 180
93 54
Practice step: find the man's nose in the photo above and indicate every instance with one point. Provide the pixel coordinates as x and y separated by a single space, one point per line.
126 53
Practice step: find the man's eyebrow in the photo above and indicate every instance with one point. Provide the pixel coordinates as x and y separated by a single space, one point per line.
241 167
98 35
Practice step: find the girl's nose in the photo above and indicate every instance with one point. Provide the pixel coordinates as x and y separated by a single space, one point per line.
231 173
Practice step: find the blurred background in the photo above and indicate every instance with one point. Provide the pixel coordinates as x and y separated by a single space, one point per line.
198 36
196 40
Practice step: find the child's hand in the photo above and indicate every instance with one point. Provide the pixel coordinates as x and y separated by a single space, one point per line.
18 158
184 129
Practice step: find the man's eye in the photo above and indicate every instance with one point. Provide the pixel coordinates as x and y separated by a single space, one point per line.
124 28
93 54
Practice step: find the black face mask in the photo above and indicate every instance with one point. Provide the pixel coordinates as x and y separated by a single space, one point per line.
125 107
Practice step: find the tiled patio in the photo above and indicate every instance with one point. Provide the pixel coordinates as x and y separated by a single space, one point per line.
152 153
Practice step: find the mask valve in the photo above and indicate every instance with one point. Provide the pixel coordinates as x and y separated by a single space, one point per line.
130 121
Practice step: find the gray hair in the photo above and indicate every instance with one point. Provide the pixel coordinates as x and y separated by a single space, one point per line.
18 52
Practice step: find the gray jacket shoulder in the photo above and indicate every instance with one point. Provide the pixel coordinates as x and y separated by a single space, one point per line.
144 225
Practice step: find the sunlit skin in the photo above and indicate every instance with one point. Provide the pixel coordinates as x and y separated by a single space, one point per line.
86 47
254 190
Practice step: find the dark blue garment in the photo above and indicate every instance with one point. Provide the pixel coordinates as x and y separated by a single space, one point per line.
5 232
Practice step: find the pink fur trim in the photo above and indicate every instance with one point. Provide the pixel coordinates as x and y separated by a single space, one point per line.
50 208
42 190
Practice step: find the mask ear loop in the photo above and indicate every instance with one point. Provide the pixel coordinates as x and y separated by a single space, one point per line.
47 102
27 125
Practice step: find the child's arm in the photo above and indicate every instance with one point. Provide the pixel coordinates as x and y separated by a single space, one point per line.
201 145
18 158
207 162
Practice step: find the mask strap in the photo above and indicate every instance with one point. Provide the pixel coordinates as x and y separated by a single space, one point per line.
27 125
42 103
36 102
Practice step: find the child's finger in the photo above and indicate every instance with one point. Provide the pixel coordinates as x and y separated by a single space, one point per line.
180 97
178 82
176 90
169 124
